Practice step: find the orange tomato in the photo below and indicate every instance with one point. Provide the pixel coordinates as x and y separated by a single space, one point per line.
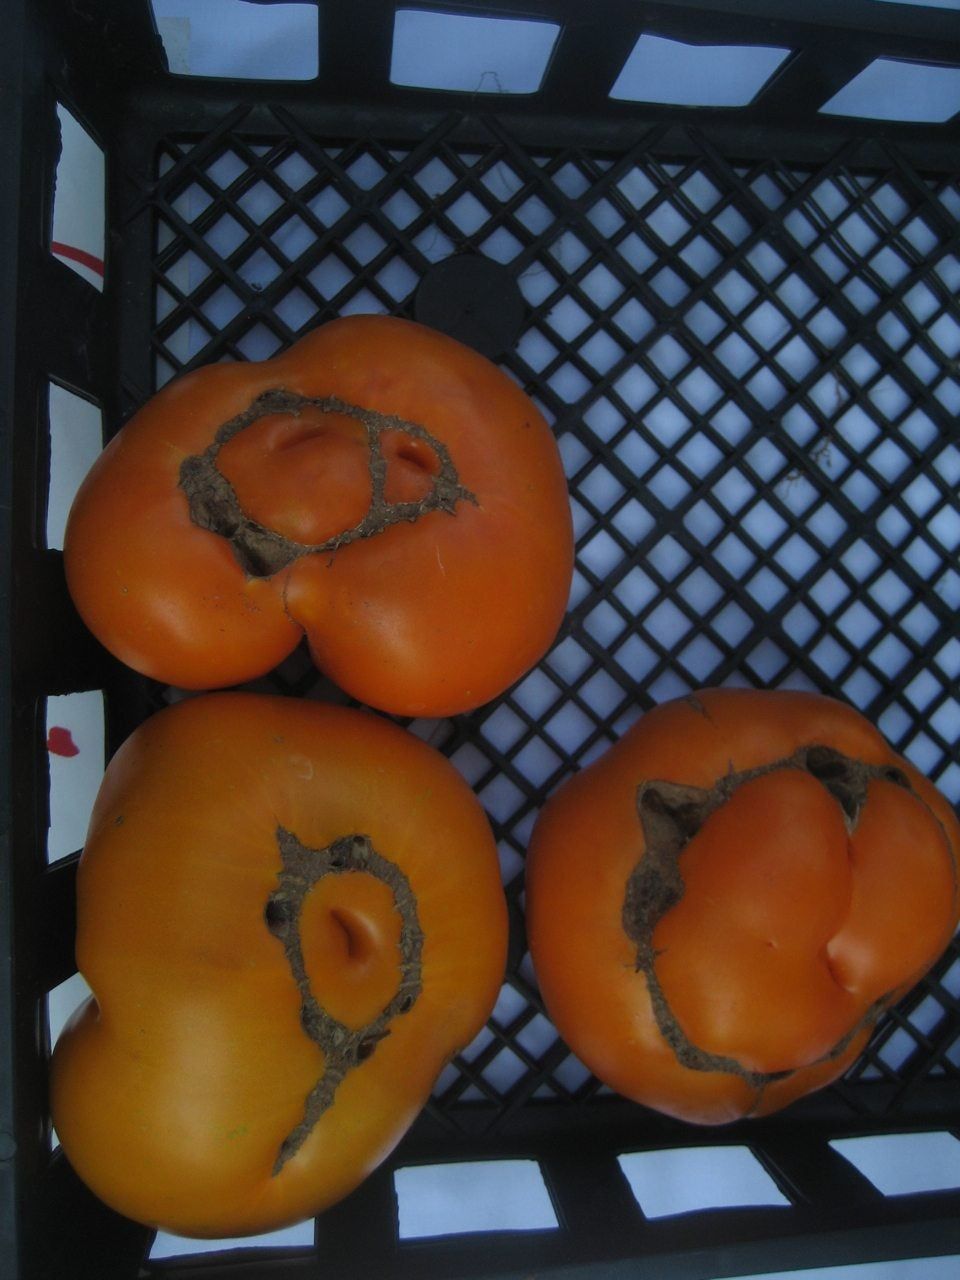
721 908
290 916
378 487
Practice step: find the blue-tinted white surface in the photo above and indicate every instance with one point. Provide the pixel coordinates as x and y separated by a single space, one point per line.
168 1245
63 1001
892 90
237 39
479 1195
76 439
79 218
474 55
682 1179
902 1163
660 70
75 751
925 4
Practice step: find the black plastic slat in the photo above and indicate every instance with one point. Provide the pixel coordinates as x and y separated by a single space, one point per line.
57 920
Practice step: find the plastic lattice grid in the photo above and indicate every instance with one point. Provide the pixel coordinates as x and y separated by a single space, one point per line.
753 376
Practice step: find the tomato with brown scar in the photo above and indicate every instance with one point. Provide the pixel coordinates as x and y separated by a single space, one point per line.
378 487
290 916
721 907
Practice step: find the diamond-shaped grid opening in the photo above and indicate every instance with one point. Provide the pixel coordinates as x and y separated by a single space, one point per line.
944 525
536 349
364 243
767 588
569 251
327 206
191 202
568 319
504 728
221 307
767 661
536 694
259 343
259 269
700 256
293 237
605 218
699 455
260 201
572 1073
569 728
502 181
701 657
602 352
330 276
668 486
295 309
537 1036
636 590
604 623
731 222
434 178
736 354
636 252
569 383
601 286
765 261
922 689
295 171
635 658
537 762
226 168
501 798
225 235
601 488
668 558
703 321
501 246
667 222
667 625
670 286
398 278
468 213
366 171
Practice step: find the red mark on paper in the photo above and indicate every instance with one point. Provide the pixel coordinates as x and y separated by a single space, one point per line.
77 255
60 742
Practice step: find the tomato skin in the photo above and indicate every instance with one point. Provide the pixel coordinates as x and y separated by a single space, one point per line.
174 1089
429 616
797 920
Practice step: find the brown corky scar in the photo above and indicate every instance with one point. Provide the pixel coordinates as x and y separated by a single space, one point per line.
343 1048
261 552
671 814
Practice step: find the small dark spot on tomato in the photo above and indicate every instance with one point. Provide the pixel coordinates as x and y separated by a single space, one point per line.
278 913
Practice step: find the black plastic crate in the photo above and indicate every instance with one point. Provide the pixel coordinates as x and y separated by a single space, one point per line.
743 325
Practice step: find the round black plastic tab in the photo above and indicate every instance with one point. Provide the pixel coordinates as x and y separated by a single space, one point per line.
472 299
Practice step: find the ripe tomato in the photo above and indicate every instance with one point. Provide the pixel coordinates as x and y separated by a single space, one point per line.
379 487
720 908
290 916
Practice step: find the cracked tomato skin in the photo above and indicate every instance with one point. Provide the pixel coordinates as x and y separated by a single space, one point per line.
720 908
420 614
178 1088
